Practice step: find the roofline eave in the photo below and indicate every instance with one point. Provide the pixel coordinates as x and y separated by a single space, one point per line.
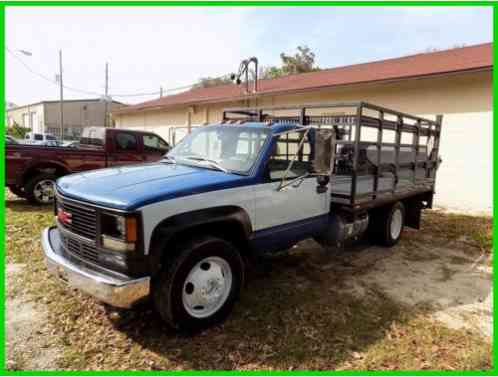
127 110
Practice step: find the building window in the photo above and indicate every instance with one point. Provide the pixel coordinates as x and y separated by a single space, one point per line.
54 131
25 120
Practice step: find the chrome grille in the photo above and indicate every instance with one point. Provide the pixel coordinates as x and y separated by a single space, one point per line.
83 218
80 249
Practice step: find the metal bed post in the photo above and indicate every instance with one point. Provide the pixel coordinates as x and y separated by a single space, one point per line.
302 116
437 138
397 142
354 173
416 140
428 161
379 155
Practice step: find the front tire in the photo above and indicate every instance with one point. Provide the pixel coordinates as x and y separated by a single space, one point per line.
40 189
199 286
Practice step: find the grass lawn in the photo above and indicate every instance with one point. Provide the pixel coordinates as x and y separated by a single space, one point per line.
292 315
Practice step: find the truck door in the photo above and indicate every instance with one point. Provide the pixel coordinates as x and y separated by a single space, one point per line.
126 149
297 210
154 147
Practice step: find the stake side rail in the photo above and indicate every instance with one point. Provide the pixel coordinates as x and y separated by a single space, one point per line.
374 161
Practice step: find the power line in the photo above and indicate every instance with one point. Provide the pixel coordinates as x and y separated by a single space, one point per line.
46 78
83 91
153 93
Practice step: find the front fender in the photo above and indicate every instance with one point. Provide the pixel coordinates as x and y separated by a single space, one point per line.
171 226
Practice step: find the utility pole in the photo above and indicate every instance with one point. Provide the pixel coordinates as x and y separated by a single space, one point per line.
160 91
106 109
62 96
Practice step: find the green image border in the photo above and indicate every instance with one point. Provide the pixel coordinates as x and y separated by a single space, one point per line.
238 3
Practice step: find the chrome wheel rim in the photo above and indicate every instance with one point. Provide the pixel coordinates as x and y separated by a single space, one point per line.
207 287
44 191
396 224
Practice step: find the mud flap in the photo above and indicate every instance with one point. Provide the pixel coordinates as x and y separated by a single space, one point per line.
413 211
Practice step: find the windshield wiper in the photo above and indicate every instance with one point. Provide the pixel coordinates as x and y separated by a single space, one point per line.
213 163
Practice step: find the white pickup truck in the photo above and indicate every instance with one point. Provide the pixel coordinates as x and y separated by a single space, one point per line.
180 230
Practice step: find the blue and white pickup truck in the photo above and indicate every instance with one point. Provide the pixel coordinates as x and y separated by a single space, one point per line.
180 230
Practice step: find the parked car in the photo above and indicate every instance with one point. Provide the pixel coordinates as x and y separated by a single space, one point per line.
33 169
39 138
180 230
71 144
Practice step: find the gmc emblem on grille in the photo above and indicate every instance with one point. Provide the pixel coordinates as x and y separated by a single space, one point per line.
64 217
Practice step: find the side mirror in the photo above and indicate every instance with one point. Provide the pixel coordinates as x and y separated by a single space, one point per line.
322 182
324 155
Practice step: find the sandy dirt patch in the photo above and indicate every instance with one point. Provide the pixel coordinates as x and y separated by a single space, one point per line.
453 284
28 343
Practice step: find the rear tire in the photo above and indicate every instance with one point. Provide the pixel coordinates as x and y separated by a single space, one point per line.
18 191
40 189
199 286
386 224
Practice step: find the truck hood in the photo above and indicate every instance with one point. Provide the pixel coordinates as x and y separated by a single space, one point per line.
133 186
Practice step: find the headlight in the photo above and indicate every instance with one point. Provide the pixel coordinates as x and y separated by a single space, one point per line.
119 232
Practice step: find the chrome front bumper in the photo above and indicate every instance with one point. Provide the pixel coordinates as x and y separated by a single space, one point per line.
118 292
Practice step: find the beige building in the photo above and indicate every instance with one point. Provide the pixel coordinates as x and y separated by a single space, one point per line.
44 117
456 83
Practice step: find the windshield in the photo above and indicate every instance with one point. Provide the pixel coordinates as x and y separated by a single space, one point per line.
232 148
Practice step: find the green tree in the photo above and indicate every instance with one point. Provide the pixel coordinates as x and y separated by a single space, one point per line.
207 82
301 62
17 131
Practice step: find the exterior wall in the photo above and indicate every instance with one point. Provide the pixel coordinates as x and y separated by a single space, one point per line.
465 100
77 115
45 116
27 116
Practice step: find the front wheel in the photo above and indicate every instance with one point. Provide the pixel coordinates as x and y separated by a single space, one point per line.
198 288
40 189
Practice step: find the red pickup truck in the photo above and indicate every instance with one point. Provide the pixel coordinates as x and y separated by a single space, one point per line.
32 170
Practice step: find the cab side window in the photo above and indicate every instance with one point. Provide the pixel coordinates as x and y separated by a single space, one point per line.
126 142
284 150
153 143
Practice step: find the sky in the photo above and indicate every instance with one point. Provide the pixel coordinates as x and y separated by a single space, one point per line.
150 47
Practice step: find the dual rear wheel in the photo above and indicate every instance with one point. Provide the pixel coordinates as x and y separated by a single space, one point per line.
386 224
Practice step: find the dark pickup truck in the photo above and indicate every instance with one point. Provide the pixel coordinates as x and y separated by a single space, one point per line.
32 170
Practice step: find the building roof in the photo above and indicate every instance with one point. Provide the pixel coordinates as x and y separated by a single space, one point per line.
65 101
461 59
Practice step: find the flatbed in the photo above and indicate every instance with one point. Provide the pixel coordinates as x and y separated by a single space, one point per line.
370 167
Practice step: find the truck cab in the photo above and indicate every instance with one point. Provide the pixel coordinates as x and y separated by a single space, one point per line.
180 230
